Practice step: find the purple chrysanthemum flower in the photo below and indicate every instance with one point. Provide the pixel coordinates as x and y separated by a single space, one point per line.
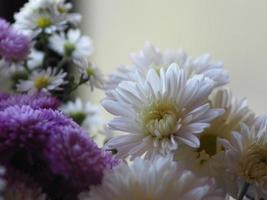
4 28
51 149
38 100
14 46
77 159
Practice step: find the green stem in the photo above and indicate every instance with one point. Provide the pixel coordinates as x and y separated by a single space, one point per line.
82 81
74 87
42 43
243 191
25 65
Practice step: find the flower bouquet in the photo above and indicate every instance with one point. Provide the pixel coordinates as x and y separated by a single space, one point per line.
178 132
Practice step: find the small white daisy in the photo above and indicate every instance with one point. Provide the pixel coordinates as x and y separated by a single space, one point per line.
159 111
85 114
246 156
47 15
151 57
205 160
91 72
45 80
72 44
152 180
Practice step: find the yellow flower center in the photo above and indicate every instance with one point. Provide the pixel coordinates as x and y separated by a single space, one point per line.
44 22
41 82
160 119
61 9
253 163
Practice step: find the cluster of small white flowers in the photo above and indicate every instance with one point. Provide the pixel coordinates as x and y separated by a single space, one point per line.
45 15
57 46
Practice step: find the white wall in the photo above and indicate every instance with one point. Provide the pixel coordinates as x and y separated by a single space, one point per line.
234 31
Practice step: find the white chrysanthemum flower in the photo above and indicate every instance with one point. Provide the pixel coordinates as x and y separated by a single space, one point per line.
205 160
91 73
151 57
47 15
158 111
158 179
246 158
72 44
85 114
45 80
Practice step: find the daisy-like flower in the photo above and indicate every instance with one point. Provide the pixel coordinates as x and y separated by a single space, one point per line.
158 179
72 44
45 15
45 81
151 57
246 155
159 111
91 73
206 159
84 114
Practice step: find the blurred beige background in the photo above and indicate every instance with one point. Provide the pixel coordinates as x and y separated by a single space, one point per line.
233 31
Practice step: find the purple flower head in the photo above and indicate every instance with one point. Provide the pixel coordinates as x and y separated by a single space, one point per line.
38 100
4 28
77 158
52 150
15 46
